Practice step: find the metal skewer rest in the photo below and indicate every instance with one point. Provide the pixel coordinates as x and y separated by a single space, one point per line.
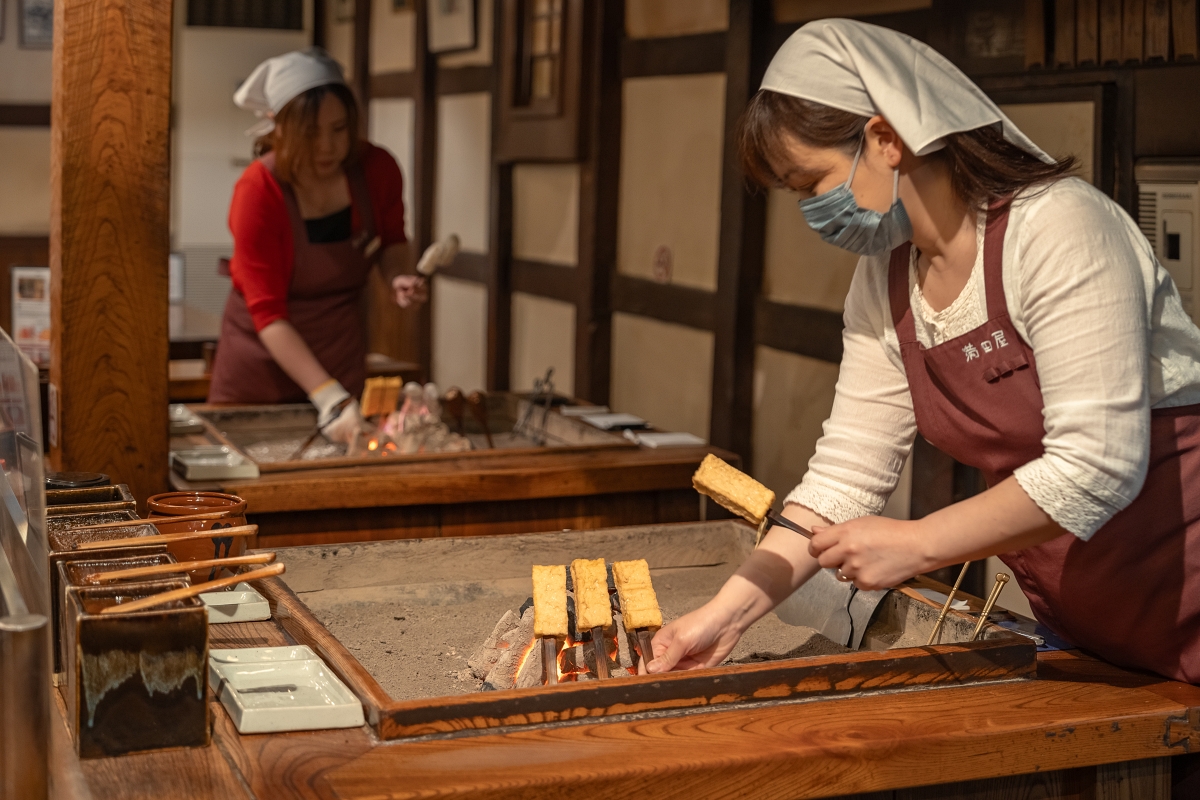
600 652
937 626
1001 579
550 660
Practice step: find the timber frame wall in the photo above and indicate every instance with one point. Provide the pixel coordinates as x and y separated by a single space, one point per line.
1134 80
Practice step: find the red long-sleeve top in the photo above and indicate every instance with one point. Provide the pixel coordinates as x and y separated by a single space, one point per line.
263 255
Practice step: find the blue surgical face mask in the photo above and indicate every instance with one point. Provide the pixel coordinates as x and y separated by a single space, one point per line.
838 218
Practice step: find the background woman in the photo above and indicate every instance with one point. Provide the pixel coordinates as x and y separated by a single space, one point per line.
310 218
1014 316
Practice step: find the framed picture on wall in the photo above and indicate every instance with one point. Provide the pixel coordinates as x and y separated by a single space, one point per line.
36 24
451 25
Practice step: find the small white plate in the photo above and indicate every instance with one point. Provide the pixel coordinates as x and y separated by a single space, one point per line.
301 694
239 604
215 462
609 421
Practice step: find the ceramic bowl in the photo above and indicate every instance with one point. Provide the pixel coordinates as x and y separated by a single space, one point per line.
179 504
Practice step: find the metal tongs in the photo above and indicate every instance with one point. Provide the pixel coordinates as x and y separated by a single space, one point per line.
543 395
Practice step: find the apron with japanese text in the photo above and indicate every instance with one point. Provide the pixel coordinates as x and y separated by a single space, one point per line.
1131 593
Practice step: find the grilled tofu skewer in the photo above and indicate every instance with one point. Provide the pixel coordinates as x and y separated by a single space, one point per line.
736 491
639 603
550 615
593 610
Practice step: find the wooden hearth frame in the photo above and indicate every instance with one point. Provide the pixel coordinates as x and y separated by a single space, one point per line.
1002 657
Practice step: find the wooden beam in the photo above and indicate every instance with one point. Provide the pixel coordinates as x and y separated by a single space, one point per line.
109 239
544 280
320 33
599 184
666 302
362 60
393 84
743 230
468 267
465 80
25 114
676 55
498 261
812 332
424 177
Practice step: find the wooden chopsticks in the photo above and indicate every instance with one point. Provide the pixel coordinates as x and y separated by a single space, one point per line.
167 538
161 598
126 523
182 566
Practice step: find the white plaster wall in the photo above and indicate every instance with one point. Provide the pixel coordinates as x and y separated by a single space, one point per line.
24 74
464 169
24 181
391 126
671 147
339 38
459 311
793 396
1061 129
662 372
798 267
393 40
546 213
655 18
543 335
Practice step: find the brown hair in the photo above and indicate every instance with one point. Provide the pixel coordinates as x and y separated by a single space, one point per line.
296 125
984 166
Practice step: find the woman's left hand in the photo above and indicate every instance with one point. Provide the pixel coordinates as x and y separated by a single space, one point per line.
409 290
874 552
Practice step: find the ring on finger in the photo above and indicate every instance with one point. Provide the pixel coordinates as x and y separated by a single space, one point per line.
841 576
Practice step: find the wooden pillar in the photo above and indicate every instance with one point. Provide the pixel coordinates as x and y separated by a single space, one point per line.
109 239
424 177
362 61
599 186
743 230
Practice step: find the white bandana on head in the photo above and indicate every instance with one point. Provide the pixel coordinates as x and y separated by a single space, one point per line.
869 70
277 81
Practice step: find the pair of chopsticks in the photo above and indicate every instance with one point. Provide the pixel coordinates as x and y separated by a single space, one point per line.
179 566
129 523
167 538
171 596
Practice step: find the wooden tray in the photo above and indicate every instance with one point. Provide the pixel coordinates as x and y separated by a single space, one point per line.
237 427
998 656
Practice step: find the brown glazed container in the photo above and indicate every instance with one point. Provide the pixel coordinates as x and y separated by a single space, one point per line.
92 500
178 504
135 681
70 573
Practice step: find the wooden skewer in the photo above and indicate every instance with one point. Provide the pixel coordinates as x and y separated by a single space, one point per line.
182 566
937 627
167 538
128 523
601 653
161 598
550 660
1001 579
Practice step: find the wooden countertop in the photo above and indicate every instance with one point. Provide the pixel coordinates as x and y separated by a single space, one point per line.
1078 713
455 480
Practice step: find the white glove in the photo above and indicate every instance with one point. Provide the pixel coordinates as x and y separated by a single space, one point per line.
438 254
338 414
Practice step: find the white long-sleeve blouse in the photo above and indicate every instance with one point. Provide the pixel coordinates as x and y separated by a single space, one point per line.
1109 333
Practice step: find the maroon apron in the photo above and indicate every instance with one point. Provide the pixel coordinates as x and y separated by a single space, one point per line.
324 305
1130 594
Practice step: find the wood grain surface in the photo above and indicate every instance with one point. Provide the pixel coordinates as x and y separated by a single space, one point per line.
110 183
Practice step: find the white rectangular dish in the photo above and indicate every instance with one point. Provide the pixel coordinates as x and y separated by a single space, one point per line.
239 604
216 462
275 689
608 422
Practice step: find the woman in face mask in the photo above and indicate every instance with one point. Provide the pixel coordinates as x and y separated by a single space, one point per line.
1014 316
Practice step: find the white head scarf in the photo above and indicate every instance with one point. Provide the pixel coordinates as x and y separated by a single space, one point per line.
277 81
869 70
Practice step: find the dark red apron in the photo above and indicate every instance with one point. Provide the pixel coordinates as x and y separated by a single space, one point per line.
324 305
1131 594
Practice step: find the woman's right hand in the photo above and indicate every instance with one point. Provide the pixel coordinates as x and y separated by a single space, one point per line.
702 638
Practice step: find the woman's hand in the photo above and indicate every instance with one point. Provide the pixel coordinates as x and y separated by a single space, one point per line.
874 552
700 639
409 290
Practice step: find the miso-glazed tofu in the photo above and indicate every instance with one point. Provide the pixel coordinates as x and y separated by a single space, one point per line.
639 603
592 609
550 601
